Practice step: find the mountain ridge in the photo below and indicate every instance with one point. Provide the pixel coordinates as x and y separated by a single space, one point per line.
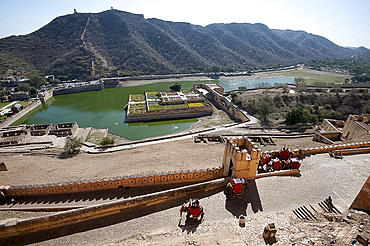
94 44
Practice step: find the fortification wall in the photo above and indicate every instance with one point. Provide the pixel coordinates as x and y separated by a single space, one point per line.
325 149
223 103
241 158
193 176
191 112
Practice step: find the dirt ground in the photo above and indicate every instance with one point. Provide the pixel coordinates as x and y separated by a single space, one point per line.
290 231
46 166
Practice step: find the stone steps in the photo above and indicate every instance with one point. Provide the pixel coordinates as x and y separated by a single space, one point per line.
313 212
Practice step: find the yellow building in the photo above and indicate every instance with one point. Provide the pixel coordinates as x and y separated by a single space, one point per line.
241 158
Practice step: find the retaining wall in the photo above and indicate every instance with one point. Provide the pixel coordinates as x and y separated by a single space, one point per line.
170 114
74 216
193 176
172 177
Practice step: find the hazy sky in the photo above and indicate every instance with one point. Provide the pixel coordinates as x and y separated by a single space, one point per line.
345 22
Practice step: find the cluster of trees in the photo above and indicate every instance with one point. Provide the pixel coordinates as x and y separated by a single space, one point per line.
308 107
175 87
358 65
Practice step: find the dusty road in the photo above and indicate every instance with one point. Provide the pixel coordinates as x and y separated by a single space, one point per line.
321 176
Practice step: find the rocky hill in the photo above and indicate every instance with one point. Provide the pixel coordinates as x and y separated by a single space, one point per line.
94 44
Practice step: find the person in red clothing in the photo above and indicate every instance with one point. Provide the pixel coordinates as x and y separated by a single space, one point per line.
235 187
284 153
193 209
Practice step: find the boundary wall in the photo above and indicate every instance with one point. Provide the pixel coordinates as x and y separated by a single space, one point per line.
190 176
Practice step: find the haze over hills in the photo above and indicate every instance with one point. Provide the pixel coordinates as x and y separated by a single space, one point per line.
84 44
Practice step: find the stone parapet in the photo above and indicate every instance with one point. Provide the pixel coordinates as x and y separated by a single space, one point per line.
190 176
356 148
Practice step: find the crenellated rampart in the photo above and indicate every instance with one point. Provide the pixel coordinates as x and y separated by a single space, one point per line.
325 149
241 156
191 176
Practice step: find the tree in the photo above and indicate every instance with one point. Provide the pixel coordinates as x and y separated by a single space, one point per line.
27 87
54 81
263 110
299 115
24 87
36 80
4 93
72 145
175 87
234 96
107 141
301 84
33 91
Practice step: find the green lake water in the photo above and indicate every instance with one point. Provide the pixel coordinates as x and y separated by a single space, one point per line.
105 109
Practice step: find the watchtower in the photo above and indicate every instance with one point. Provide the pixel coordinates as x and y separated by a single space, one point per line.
241 158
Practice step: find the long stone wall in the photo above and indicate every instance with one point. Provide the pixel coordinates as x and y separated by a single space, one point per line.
193 176
325 149
223 103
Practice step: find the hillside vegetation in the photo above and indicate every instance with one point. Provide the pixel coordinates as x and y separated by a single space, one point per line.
277 106
117 42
